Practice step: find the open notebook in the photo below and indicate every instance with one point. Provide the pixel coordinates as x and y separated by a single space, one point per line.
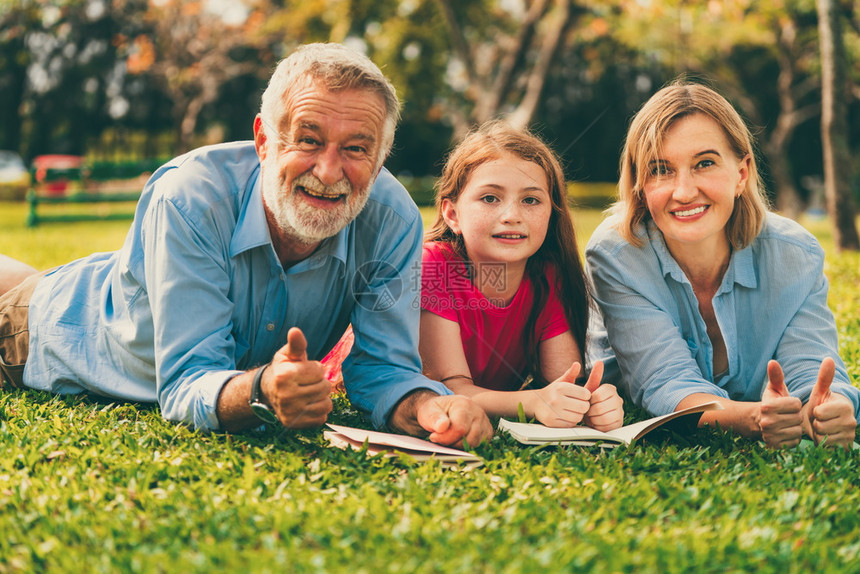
391 444
532 433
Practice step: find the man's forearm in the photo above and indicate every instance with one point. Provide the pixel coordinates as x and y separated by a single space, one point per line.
233 412
404 416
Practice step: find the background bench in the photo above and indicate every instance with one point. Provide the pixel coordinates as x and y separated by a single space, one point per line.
67 188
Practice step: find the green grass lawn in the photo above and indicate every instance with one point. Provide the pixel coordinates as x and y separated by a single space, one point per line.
92 486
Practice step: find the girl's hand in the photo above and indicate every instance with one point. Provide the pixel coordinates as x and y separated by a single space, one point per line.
780 418
606 409
827 416
561 403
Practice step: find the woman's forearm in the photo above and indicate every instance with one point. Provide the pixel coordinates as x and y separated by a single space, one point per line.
741 417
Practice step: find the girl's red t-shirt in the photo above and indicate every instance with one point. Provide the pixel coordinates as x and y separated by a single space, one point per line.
492 336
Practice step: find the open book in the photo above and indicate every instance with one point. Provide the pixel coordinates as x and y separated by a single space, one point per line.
395 444
531 433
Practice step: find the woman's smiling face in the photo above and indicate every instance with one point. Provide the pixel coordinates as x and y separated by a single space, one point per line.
691 186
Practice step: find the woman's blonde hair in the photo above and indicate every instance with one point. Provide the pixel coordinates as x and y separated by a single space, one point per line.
492 141
642 146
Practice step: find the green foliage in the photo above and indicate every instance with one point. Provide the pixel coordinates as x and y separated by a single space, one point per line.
135 78
88 485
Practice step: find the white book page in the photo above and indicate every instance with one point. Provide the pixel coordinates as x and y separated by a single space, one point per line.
532 433
398 441
629 433
636 430
538 433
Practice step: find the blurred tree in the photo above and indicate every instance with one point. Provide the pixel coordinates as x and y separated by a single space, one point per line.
17 20
598 84
834 127
408 40
454 64
193 53
70 62
760 54
505 51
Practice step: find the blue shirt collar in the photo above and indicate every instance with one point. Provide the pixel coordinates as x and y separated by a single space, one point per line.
334 247
741 265
251 227
742 268
252 230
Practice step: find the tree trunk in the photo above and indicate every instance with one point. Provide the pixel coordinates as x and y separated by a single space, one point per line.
10 111
775 144
522 116
188 125
788 200
503 70
834 126
488 107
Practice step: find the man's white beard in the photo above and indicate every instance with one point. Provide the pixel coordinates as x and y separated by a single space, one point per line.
301 221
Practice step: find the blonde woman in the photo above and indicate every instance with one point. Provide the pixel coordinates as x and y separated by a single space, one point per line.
706 295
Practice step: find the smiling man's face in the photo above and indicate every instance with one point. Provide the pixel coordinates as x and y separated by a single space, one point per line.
316 177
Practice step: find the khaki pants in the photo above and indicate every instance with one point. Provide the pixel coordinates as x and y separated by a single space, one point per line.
15 332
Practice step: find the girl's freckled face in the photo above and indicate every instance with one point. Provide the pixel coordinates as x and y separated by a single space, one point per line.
503 212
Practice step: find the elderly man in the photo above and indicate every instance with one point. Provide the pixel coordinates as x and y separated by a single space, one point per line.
237 248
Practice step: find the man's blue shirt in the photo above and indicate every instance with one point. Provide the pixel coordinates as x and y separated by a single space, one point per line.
196 295
772 304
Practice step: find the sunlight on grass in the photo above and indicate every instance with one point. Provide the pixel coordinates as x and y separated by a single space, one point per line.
53 244
89 485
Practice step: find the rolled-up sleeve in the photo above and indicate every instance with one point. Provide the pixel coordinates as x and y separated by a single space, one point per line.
188 288
384 365
809 337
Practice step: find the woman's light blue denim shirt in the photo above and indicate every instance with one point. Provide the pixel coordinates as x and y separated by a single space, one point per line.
772 304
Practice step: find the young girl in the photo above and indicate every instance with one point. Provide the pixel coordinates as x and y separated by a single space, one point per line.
503 293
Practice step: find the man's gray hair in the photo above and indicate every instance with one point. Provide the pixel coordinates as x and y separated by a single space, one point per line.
337 68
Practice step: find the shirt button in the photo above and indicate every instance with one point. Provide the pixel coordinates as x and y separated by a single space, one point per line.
270 326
